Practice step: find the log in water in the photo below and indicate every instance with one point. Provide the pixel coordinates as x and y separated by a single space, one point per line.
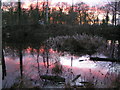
104 59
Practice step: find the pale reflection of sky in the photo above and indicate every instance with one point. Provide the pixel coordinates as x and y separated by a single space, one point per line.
81 65
77 63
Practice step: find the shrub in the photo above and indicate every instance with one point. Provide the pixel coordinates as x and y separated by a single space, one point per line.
57 69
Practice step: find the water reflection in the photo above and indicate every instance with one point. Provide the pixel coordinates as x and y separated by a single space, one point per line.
100 73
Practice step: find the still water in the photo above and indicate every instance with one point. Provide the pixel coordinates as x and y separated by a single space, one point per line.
101 74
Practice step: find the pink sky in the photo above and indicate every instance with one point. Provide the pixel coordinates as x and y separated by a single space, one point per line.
90 2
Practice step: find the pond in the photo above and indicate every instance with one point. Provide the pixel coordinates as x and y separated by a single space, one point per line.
98 73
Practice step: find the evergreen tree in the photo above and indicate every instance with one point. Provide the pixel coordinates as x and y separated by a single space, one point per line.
107 18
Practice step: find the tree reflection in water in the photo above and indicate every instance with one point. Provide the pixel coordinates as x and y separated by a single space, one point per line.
99 73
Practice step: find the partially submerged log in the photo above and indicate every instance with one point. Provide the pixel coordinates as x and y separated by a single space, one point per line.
77 86
76 78
84 82
81 60
104 59
53 78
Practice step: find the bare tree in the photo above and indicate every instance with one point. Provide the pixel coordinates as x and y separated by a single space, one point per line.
114 9
20 48
82 8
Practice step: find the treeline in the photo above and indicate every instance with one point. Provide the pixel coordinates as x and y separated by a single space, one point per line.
78 14
35 35
53 30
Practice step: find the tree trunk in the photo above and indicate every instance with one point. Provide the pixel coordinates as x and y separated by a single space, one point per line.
71 61
19 12
85 16
107 17
38 62
113 18
20 49
119 50
43 12
115 13
44 59
47 61
47 13
37 16
112 49
80 18
11 15
3 66
21 63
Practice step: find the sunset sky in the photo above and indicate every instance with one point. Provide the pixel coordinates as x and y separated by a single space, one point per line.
90 2
53 3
